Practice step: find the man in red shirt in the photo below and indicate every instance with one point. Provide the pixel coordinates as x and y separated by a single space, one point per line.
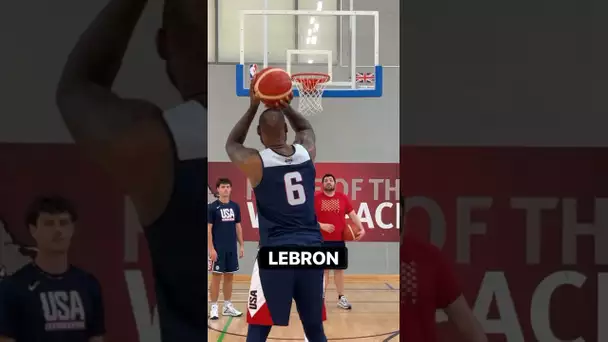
428 283
331 208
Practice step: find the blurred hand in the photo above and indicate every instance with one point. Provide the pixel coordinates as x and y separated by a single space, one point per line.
360 235
213 255
254 99
327 227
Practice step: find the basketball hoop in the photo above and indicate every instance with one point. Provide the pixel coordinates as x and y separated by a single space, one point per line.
310 86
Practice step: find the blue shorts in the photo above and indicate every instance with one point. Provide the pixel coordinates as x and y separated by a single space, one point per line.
272 291
227 262
334 244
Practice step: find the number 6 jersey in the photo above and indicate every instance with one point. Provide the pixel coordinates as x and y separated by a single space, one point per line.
285 199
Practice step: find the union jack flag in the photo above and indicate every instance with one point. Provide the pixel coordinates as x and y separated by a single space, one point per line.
365 77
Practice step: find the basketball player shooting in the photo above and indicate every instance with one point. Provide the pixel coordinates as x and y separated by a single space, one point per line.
283 178
159 158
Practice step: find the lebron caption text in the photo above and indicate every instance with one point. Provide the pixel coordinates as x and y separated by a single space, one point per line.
303 257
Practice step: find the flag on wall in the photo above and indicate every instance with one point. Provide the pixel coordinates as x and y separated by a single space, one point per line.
365 78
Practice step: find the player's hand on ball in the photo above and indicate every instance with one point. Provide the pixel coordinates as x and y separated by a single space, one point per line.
213 255
328 227
254 99
284 103
360 234
241 252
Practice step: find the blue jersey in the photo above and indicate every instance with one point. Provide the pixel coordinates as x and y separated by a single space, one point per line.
285 199
37 306
224 217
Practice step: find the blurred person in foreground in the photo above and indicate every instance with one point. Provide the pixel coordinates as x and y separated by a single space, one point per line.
158 157
428 284
49 299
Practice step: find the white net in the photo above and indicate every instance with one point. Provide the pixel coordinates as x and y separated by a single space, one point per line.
311 87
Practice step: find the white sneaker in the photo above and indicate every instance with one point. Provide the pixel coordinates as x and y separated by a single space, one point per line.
229 310
344 304
213 314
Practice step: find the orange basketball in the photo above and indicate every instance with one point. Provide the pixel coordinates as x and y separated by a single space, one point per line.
273 85
350 232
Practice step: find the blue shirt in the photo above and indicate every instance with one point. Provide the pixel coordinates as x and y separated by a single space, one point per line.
285 199
36 306
224 217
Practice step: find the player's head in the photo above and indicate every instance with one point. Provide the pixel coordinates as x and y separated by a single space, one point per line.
272 128
51 223
329 182
182 43
223 186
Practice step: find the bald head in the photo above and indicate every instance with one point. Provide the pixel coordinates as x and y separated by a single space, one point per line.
272 119
272 127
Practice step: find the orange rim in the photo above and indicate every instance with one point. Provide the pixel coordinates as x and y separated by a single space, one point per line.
310 80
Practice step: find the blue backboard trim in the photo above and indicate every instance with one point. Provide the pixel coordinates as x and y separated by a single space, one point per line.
375 92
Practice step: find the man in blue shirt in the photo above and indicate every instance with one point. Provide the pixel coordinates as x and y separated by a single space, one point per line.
224 229
50 300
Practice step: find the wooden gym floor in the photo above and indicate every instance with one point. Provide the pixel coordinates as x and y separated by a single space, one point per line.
374 317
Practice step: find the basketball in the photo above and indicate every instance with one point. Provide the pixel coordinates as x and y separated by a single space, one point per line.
273 85
350 233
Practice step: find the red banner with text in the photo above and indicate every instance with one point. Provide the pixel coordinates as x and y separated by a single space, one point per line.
527 229
373 189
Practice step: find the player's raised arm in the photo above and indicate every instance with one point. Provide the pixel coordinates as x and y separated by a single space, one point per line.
245 158
305 135
96 116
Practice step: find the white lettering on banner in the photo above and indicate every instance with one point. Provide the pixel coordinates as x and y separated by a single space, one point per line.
571 228
465 227
494 286
147 323
253 215
533 208
352 189
369 220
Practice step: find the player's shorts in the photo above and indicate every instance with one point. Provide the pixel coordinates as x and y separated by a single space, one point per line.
334 244
271 293
227 262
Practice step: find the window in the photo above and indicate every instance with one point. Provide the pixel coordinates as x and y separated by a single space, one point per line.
318 32
284 31
281 31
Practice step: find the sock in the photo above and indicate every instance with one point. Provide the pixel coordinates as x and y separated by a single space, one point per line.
213 303
227 302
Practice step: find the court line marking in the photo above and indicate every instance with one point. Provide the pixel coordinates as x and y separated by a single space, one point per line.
395 334
346 290
221 338
392 334
354 302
